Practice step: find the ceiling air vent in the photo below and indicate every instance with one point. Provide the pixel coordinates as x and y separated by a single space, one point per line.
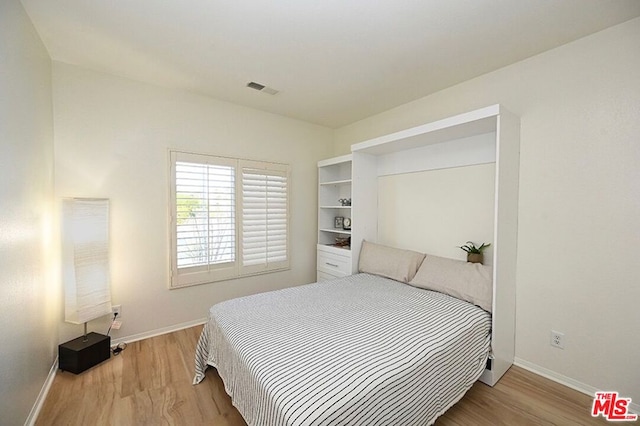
262 88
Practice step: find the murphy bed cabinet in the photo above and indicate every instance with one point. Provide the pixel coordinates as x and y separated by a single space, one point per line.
486 135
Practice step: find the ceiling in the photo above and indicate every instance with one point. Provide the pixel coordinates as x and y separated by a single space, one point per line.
333 61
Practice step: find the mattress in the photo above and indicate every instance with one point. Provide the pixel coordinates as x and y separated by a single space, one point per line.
358 350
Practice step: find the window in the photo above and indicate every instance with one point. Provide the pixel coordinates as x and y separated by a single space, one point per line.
229 218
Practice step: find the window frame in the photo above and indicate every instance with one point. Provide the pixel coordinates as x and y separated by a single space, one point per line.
209 273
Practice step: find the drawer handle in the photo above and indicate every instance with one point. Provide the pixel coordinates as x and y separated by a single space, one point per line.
331 264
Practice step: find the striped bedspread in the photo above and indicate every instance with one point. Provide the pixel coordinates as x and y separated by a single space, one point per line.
360 350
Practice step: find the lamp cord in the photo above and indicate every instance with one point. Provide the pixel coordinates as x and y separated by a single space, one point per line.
121 346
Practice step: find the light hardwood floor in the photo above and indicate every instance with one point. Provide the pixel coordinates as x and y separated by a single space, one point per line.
149 383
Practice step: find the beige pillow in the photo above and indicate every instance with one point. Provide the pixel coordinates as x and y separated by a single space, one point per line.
472 282
397 264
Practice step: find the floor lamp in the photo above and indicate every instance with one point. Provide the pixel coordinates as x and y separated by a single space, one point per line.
85 275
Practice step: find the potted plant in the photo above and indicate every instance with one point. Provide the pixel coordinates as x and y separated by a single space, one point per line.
474 253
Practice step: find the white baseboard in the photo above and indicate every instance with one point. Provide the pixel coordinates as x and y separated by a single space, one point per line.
158 332
42 396
567 381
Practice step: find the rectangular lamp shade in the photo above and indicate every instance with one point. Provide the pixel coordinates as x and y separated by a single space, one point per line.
85 259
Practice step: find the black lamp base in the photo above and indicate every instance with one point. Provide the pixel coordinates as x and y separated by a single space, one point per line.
77 355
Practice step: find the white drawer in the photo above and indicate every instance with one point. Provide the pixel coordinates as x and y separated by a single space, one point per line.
323 276
334 264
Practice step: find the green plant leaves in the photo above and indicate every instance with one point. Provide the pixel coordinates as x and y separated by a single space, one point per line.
471 247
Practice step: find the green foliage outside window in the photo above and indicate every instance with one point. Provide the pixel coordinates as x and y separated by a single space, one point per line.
187 205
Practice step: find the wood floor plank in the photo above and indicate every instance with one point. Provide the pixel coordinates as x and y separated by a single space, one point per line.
149 383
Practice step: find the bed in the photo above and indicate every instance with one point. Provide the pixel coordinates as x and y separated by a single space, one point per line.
359 350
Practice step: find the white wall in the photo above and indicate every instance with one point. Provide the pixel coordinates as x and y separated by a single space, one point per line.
579 199
436 211
111 140
28 300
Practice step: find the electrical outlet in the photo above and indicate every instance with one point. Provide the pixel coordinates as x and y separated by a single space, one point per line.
557 339
116 309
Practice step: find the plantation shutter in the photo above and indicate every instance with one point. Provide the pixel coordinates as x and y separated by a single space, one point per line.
229 218
265 211
204 219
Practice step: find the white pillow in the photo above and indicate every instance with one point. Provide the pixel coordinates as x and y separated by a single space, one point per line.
389 262
472 282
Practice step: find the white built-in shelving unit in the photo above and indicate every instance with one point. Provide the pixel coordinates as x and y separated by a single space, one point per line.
334 184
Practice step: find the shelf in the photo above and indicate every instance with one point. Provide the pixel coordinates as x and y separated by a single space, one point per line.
335 207
335 161
336 182
336 231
